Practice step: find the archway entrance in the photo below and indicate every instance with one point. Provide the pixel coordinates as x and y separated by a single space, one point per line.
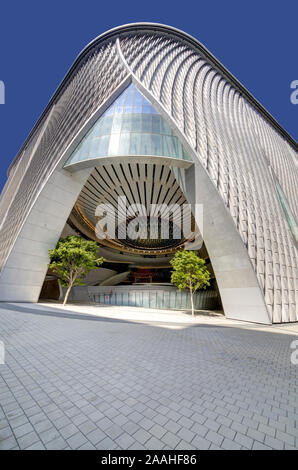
137 269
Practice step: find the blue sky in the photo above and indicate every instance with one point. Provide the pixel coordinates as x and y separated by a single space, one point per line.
255 40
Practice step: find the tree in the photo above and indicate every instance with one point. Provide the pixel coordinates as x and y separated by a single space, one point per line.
189 272
72 259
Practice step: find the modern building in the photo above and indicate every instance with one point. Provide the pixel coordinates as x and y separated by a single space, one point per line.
147 113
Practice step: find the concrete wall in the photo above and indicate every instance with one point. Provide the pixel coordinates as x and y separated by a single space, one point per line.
239 289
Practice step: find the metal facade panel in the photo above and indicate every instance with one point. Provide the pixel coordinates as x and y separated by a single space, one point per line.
95 78
236 145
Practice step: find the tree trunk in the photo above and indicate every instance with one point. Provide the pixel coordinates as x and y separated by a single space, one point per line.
67 294
192 306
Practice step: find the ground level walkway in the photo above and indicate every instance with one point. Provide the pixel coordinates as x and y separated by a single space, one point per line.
91 377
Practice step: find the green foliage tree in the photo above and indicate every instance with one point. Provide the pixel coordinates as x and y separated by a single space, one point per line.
72 259
189 272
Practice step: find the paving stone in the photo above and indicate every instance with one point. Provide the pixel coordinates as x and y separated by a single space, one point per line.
43 426
114 431
160 419
259 446
111 413
157 431
173 415
200 443
183 445
170 440
96 436
36 446
87 446
4 423
172 426
33 411
292 430
199 429
212 415
213 425
23 430
267 430
79 419
290 440
77 440
124 441
86 427
198 418
136 417
185 422
120 420
131 428
18 421
28 440
37 418
8 443
261 419
288 447
186 412
274 443
185 434
277 425
227 432
62 422
68 431
106 444
96 416
215 447
256 435
239 427
56 444
136 446
154 444
243 440
214 437
49 435
146 423
148 413
104 423
142 436
228 444
5 433
160 392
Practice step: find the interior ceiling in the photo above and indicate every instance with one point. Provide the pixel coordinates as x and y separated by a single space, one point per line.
140 183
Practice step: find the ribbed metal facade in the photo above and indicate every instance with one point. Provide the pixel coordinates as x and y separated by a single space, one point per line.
242 149
97 75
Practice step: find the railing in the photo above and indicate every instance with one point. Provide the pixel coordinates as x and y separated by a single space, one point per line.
165 297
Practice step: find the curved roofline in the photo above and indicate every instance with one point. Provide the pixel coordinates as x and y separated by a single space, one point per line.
161 28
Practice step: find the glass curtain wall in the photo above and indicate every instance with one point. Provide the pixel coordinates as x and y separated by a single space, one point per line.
130 126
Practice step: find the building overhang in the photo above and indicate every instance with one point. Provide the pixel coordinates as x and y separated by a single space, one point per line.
146 159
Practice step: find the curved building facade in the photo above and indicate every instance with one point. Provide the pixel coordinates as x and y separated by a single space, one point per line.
146 112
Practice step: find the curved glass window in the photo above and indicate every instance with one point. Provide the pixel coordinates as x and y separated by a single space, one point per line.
130 126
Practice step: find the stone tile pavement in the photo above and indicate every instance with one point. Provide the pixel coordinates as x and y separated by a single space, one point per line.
75 381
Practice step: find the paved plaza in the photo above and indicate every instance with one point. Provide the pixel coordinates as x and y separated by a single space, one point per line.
89 377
